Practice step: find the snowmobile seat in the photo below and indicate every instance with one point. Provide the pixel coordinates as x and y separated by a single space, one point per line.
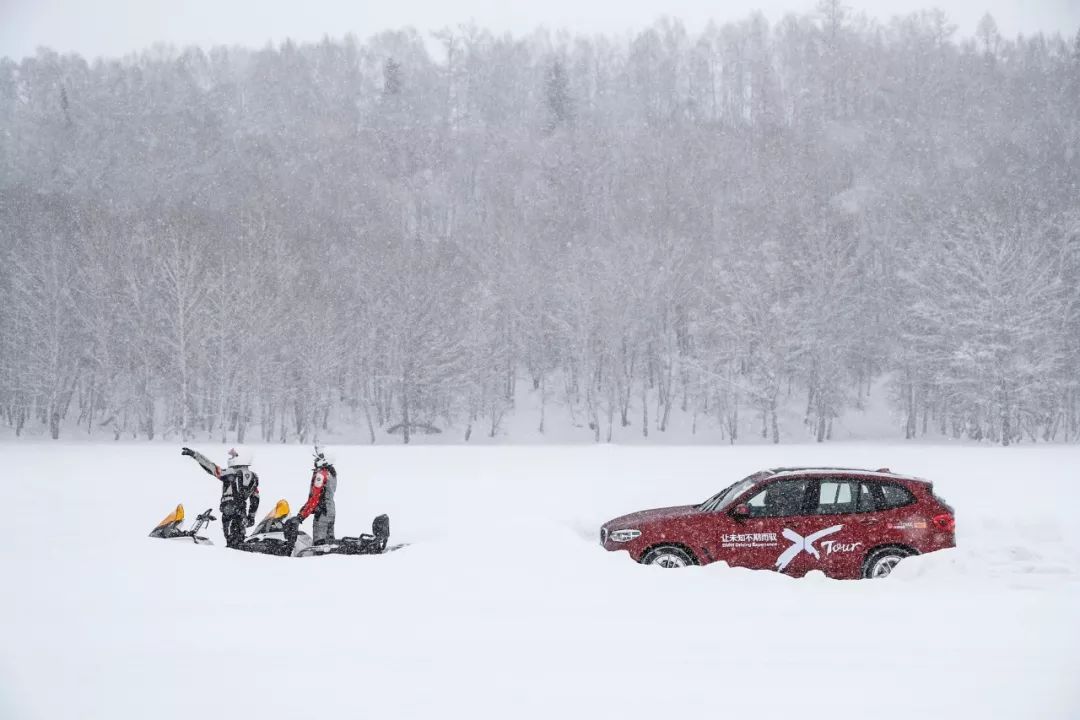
380 526
369 544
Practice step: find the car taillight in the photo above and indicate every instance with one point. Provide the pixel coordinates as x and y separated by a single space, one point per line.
944 522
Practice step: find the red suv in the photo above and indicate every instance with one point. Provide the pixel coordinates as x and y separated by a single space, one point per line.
845 522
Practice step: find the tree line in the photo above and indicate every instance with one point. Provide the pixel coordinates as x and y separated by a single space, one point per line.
400 231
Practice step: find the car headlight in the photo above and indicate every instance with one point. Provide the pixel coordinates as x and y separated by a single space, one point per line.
624 535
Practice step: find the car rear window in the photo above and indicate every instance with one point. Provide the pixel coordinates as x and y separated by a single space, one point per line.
875 496
895 496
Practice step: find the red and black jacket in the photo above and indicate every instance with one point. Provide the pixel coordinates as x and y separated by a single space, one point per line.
321 493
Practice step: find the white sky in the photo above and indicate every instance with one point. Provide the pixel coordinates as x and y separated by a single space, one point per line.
116 27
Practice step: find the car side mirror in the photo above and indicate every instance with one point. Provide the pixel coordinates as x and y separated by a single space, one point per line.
741 512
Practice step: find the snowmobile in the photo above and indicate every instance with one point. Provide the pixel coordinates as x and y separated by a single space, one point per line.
374 544
272 537
170 527
275 535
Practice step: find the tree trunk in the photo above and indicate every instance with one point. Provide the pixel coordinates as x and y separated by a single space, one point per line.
610 415
405 411
909 406
775 424
370 426
644 410
542 384
148 424
496 417
1006 413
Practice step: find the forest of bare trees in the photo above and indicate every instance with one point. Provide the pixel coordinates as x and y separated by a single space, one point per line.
248 243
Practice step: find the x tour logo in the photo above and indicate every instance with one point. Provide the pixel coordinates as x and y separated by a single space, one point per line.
800 543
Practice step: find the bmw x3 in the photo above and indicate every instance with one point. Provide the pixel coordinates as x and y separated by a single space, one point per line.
848 523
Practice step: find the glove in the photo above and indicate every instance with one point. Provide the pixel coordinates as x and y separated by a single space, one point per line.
294 521
249 520
187 451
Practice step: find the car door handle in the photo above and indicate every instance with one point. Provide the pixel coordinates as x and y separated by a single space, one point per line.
869 521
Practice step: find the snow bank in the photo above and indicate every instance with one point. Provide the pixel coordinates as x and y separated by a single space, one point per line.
505 606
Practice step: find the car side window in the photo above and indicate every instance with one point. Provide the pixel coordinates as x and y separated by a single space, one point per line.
894 496
865 502
836 497
783 498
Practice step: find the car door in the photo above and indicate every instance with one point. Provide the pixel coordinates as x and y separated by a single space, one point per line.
803 535
756 541
839 526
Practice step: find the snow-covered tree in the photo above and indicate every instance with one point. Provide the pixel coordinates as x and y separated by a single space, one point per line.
717 229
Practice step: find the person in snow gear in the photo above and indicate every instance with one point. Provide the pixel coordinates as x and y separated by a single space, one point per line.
320 502
239 492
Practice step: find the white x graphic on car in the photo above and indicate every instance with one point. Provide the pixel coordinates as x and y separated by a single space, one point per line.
800 543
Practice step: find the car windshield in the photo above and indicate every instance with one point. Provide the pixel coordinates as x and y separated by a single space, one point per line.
725 497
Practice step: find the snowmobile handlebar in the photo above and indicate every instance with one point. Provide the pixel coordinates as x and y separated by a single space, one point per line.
202 519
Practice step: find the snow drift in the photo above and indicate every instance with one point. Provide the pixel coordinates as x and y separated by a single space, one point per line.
505 606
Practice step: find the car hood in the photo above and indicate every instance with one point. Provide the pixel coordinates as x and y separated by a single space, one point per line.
645 517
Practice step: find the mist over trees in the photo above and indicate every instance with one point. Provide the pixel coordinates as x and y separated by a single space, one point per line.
253 243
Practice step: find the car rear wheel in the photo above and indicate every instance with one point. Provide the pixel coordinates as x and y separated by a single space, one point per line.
880 562
668 556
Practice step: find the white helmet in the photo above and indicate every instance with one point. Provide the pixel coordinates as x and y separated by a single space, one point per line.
240 456
323 457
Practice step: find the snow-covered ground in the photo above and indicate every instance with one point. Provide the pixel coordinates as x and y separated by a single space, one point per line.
505 606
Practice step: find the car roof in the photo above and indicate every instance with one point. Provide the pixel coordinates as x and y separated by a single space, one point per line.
884 473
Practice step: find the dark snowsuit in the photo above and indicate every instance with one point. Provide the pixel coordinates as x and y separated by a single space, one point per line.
320 502
239 498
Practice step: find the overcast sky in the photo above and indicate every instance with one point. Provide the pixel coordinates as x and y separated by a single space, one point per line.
115 27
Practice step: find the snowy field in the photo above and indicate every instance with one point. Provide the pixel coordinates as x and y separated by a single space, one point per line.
505 606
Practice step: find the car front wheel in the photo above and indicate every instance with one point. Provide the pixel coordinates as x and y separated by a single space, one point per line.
880 563
668 556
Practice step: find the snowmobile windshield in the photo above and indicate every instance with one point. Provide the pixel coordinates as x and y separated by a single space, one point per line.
268 525
273 521
723 499
170 525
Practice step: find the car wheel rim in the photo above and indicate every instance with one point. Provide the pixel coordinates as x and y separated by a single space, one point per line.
669 560
884 566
